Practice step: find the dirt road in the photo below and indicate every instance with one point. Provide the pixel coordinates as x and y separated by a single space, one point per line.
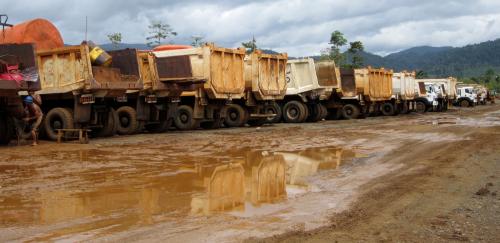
432 177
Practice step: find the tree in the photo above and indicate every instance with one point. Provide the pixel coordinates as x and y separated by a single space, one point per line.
115 39
355 49
337 40
421 74
159 31
250 45
197 41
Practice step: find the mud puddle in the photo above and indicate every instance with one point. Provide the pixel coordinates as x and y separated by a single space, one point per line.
97 192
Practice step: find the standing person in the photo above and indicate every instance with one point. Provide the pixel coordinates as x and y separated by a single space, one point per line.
33 114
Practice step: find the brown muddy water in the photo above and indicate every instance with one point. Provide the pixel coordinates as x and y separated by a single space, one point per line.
99 191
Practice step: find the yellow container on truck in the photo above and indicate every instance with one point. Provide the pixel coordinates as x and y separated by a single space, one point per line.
403 91
304 93
362 92
77 93
217 75
265 83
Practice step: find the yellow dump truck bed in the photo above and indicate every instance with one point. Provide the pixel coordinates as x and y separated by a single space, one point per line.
221 69
372 84
265 75
69 69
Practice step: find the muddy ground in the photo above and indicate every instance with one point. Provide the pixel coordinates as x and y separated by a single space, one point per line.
411 178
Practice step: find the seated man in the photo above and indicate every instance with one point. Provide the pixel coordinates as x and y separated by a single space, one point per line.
33 115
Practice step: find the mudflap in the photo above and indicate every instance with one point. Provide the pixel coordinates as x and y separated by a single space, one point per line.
143 110
82 113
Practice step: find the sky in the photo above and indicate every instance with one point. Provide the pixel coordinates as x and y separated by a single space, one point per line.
298 27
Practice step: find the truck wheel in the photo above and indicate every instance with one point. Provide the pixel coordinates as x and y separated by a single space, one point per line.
464 103
235 116
184 118
294 112
324 112
57 118
350 111
274 108
315 113
420 107
387 109
127 120
110 124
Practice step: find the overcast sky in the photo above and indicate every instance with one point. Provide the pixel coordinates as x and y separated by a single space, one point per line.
299 27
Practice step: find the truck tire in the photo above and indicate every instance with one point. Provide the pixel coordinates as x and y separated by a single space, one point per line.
350 111
294 112
57 118
420 107
127 120
184 120
324 112
315 113
464 103
110 125
274 108
387 109
235 116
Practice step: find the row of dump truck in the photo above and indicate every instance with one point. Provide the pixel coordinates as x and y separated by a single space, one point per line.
129 91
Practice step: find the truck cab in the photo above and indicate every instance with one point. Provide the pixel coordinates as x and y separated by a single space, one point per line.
466 96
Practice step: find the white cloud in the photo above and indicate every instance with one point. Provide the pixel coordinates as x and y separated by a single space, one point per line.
298 27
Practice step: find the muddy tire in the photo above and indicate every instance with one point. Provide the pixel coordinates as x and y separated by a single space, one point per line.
387 109
324 112
315 113
274 108
110 125
127 120
350 111
183 119
294 112
464 103
57 118
420 107
235 116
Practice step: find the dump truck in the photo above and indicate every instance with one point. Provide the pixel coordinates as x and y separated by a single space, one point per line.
447 94
79 86
466 96
304 93
428 96
217 77
153 104
18 72
265 84
361 92
403 94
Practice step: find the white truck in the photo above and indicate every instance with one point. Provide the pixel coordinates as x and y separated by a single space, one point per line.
445 89
403 93
466 96
427 97
304 93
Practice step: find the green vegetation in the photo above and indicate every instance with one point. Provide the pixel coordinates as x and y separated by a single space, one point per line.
197 41
158 32
250 45
115 39
490 79
352 58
